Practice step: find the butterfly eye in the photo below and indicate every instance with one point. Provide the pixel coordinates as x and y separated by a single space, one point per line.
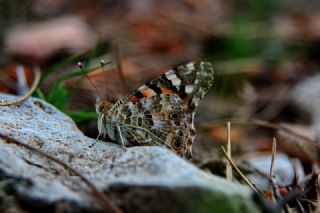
177 143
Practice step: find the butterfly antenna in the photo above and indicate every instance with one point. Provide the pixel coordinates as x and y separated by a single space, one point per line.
80 65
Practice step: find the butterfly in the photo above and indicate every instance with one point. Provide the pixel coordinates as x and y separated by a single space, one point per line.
161 112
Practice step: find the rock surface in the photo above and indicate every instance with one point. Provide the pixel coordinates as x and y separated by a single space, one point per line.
138 179
306 95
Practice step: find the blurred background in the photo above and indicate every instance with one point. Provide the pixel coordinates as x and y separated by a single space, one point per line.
266 56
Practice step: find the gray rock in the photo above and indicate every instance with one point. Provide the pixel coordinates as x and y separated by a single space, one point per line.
306 95
138 179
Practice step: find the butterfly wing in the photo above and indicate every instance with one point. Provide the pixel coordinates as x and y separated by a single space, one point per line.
157 120
190 82
162 111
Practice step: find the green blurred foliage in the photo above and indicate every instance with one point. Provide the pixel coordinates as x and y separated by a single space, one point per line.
58 95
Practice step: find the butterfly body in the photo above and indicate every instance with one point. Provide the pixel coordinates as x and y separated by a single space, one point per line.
160 112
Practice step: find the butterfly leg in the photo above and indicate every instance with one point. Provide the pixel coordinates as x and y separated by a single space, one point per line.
120 135
95 141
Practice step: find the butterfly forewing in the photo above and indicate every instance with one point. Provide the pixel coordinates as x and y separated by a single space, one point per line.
161 111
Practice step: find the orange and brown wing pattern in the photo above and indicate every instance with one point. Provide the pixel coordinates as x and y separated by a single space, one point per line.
190 82
161 111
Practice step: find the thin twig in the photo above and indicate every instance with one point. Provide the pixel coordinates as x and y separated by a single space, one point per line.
252 186
272 177
275 105
37 74
102 198
265 124
260 123
275 196
282 128
273 158
228 166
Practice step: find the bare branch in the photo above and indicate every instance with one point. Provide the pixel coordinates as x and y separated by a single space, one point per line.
35 83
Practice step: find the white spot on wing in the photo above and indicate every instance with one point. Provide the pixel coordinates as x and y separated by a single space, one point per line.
170 75
176 82
189 89
143 87
190 66
173 78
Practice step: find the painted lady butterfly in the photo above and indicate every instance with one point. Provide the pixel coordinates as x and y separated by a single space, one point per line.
160 112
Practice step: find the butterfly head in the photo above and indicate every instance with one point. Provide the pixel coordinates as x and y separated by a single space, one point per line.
102 108
102 105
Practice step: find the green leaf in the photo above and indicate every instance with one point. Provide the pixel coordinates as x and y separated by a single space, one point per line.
38 94
58 95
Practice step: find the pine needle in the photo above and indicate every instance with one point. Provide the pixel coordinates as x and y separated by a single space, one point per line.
273 158
251 185
275 188
228 165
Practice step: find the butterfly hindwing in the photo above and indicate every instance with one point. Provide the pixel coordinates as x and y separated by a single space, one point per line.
157 120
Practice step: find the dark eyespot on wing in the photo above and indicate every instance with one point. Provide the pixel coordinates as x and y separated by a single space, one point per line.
177 123
177 143
174 115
